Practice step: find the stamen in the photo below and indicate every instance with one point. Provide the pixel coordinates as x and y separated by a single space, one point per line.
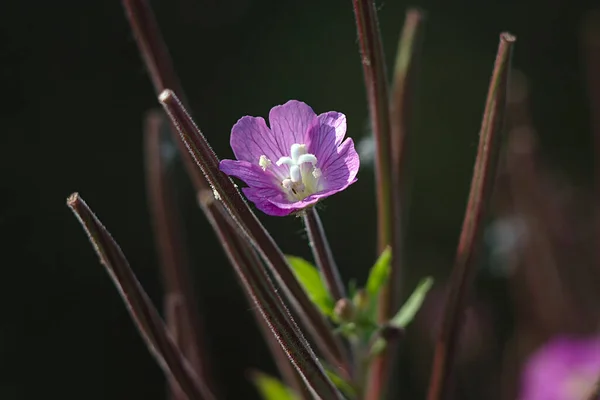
264 162
307 158
302 179
295 174
285 160
297 150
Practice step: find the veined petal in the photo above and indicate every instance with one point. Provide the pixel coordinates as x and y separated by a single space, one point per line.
325 135
251 174
339 169
337 121
290 123
261 197
251 138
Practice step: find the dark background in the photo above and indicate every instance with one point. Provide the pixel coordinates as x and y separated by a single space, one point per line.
74 96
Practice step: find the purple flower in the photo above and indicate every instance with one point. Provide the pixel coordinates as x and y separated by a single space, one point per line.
563 369
302 159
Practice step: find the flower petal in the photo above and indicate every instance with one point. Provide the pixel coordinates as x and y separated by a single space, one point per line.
290 123
251 138
251 174
339 169
261 197
262 186
306 202
327 134
324 136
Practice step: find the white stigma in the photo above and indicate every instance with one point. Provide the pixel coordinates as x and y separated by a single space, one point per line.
264 162
303 173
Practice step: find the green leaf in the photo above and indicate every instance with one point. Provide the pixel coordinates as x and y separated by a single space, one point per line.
408 311
271 388
311 281
380 272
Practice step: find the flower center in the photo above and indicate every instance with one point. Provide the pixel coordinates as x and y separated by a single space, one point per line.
303 178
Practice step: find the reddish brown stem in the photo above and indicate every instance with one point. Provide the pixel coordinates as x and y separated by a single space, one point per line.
376 83
159 65
255 233
473 223
259 287
144 314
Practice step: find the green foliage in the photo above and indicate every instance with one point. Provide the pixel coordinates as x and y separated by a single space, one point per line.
379 274
271 388
311 281
408 311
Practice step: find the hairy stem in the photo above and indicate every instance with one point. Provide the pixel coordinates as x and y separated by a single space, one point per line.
253 231
159 65
259 287
146 317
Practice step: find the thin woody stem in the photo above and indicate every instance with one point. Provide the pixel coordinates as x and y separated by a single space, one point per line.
144 314
322 254
159 65
255 233
473 223
373 62
251 261
259 287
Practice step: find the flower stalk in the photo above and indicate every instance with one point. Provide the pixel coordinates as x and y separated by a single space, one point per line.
322 254
480 194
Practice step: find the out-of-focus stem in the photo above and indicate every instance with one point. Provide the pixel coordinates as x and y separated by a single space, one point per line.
400 108
473 223
322 254
376 83
160 68
400 113
181 313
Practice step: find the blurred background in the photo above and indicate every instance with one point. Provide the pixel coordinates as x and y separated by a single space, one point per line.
75 96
